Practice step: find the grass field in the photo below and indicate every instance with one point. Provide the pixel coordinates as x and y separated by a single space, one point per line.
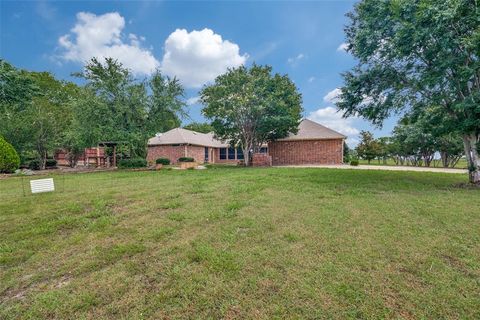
242 243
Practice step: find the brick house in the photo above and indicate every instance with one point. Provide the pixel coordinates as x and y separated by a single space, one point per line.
313 144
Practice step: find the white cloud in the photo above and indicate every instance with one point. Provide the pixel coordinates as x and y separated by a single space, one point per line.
332 96
311 79
296 59
193 100
101 36
331 118
342 47
198 57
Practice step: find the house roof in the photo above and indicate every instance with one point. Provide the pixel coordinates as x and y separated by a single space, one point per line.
307 130
311 130
184 136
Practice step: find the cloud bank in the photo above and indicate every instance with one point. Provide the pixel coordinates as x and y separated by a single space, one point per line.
101 36
195 57
198 57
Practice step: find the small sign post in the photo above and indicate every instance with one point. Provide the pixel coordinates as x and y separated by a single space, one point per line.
42 185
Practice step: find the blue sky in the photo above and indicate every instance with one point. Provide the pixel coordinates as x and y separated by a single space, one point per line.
194 41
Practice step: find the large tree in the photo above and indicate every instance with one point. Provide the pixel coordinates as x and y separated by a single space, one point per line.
166 104
17 89
35 111
250 106
49 115
413 55
120 108
116 106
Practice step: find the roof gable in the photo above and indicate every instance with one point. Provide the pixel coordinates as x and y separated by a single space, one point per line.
184 136
311 130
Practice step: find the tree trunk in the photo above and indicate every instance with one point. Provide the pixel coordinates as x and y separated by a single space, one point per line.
246 156
473 159
444 157
43 160
247 145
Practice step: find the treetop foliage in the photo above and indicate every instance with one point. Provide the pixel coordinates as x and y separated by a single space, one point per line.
41 114
249 106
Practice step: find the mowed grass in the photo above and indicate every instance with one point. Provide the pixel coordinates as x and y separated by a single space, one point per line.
239 243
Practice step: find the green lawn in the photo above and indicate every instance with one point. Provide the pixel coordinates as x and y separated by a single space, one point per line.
242 243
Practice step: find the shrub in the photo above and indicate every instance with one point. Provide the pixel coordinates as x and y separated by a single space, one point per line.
51 163
9 159
163 161
186 159
354 163
34 165
132 163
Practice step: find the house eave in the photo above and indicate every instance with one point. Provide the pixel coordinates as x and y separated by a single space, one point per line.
310 139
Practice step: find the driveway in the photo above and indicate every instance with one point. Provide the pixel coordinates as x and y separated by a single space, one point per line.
389 168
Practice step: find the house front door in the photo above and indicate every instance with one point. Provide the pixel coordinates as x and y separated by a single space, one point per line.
206 154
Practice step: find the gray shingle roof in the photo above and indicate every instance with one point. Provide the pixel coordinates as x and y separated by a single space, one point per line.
184 136
311 130
307 130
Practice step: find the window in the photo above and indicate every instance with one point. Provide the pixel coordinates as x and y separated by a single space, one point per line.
239 154
223 153
231 153
263 150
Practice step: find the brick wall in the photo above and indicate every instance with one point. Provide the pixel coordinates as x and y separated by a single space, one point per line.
261 160
306 152
175 152
169 152
197 153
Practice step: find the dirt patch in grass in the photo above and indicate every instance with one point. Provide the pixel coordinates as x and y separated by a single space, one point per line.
468 186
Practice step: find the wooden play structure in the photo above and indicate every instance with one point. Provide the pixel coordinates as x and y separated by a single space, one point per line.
94 156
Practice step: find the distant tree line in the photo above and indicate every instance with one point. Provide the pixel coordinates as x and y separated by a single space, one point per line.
39 113
413 144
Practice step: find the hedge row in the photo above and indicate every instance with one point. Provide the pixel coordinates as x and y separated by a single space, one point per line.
132 163
35 164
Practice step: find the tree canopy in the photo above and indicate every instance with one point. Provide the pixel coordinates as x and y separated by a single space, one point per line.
418 57
250 106
35 110
117 107
40 113
199 127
